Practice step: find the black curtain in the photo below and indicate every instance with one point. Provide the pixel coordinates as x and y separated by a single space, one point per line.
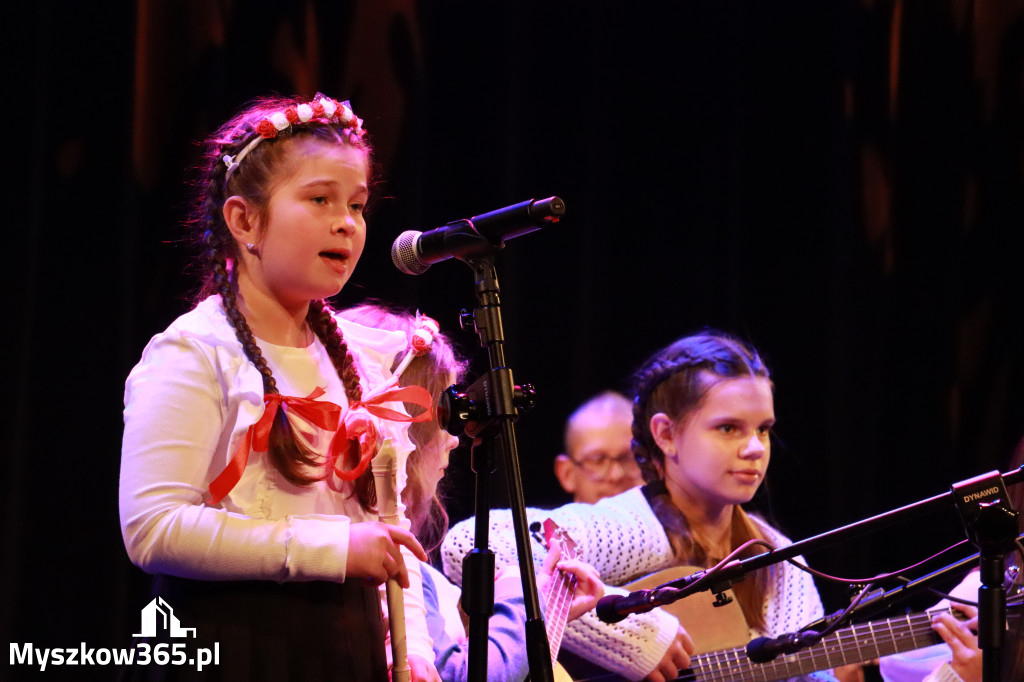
840 182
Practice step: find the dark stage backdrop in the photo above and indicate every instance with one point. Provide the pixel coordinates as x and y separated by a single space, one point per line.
838 181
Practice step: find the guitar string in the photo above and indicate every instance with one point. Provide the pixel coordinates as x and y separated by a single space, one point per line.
560 592
818 657
558 601
739 667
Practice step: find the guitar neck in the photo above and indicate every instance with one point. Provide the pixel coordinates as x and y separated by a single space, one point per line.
849 645
560 589
557 600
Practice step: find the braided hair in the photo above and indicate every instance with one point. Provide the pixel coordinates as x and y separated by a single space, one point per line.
253 179
674 381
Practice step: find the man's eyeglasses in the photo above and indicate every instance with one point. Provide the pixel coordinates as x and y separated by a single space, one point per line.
601 466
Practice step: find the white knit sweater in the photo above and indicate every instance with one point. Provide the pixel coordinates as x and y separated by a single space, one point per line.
623 539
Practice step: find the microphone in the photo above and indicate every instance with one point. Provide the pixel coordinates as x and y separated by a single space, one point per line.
614 607
764 649
413 252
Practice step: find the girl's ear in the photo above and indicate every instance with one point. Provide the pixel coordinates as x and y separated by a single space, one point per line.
240 217
661 431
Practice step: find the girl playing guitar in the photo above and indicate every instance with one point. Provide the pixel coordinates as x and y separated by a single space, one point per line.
703 415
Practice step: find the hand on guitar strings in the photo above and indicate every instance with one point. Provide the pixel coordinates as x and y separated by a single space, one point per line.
588 585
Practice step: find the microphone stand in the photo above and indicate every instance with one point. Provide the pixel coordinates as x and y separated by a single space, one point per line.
989 520
494 438
987 525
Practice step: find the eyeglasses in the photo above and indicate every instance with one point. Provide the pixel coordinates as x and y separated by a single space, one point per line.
601 465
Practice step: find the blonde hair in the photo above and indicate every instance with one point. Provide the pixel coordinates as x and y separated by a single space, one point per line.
434 371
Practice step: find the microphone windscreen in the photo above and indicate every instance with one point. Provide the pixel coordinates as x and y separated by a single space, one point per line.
403 254
762 650
607 609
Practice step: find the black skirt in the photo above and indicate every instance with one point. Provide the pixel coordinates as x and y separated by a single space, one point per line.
259 630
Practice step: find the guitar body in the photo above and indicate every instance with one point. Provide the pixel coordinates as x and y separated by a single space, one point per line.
712 627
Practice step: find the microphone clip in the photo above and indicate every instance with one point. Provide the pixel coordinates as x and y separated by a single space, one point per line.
765 649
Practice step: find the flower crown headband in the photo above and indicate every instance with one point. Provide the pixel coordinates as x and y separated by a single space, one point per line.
320 108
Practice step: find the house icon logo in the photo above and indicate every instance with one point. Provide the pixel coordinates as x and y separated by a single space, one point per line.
159 614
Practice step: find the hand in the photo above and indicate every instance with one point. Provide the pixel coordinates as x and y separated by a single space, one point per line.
374 552
589 587
675 659
422 670
962 642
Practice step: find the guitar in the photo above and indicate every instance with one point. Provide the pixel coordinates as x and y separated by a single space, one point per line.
853 644
558 593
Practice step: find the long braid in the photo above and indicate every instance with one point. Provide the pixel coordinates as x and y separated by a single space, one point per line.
321 320
674 381
286 452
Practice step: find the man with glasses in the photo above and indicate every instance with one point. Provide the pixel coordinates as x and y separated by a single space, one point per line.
598 462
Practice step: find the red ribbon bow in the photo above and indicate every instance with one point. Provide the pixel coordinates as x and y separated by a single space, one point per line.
356 430
358 433
320 413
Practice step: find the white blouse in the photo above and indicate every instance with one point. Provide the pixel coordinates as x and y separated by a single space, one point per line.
189 403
